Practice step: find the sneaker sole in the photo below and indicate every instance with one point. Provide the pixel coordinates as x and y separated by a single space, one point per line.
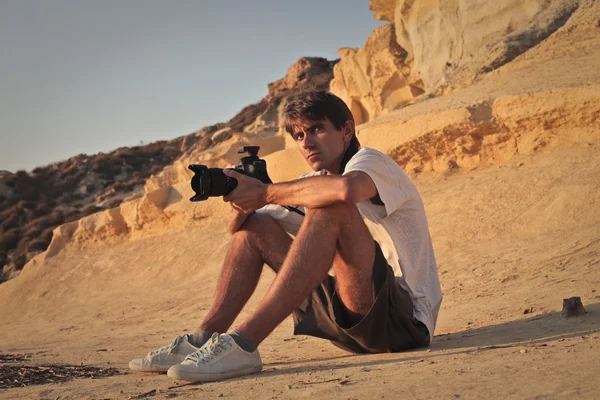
135 366
190 376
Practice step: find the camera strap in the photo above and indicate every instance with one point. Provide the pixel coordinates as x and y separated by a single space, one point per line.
350 152
294 209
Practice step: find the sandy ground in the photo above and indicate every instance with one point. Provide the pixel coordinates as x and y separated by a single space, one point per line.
502 246
512 239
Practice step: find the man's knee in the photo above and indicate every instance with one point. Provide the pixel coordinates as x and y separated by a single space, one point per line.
251 228
259 226
334 212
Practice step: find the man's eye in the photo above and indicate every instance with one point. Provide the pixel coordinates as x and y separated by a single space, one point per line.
298 136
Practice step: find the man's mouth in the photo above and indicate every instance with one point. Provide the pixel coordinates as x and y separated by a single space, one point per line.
312 155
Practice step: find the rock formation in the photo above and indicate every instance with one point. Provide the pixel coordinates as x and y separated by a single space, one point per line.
437 46
33 204
375 79
449 38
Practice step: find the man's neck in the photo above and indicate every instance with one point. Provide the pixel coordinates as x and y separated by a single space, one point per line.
340 164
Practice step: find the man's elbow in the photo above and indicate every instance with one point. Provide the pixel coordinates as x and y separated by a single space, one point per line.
347 191
357 188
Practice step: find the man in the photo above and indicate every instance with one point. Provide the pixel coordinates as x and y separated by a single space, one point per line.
358 215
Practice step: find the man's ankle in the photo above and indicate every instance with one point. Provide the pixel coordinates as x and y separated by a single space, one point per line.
199 337
244 341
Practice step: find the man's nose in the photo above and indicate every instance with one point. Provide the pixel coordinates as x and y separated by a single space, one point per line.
307 141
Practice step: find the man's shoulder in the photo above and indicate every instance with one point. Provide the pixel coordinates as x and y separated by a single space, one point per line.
369 151
375 162
370 155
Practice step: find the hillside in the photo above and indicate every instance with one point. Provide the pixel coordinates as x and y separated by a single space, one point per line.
33 204
506 163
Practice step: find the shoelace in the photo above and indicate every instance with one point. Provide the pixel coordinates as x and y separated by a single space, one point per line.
211 349
169 348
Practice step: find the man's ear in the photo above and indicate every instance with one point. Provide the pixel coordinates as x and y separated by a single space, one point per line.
348 131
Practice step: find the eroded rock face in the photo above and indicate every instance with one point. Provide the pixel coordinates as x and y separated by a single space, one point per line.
489 132
459 38
383 10
438 45
376 78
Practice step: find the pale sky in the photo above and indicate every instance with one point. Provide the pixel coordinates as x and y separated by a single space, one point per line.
83 76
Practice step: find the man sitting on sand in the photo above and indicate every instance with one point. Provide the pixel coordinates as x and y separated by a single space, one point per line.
358 215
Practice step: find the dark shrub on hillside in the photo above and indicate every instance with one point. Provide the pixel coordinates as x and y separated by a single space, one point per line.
22 245
33 233
14 217
26 205
47 200
139 175
10 239
71 182
51 220
106 165
10 181
9 221
123 187
20 261
25 187
156 169
90 209
37 245
71 214
41 209
114 203
134 161
71 197
204 143
47 235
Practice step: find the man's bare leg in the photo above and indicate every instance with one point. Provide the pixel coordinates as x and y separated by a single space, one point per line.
260 240
334 233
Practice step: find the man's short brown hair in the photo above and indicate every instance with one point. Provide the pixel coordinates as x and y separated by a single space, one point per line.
316 106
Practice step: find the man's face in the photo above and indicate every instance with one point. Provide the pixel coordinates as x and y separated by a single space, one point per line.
321 144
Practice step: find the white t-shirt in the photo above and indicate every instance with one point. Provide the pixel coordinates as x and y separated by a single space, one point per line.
400 227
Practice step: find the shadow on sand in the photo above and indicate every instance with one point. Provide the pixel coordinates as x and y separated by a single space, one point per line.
538 329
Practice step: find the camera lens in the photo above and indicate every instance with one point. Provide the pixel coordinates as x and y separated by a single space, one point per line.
210 182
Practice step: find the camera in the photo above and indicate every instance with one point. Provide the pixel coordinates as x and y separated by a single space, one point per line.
212 182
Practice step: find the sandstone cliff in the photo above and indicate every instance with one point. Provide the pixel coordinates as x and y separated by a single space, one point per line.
438 46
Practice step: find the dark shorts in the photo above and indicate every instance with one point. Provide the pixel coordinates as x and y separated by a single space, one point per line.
388 327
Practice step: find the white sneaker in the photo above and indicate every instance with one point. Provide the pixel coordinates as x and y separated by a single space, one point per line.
220 358
162 359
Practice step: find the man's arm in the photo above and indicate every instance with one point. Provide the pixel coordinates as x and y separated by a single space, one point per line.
313 192
321 191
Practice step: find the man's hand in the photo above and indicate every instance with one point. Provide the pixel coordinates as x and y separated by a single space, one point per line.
249 195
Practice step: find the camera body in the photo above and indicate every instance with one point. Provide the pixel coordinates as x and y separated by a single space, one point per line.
212 182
